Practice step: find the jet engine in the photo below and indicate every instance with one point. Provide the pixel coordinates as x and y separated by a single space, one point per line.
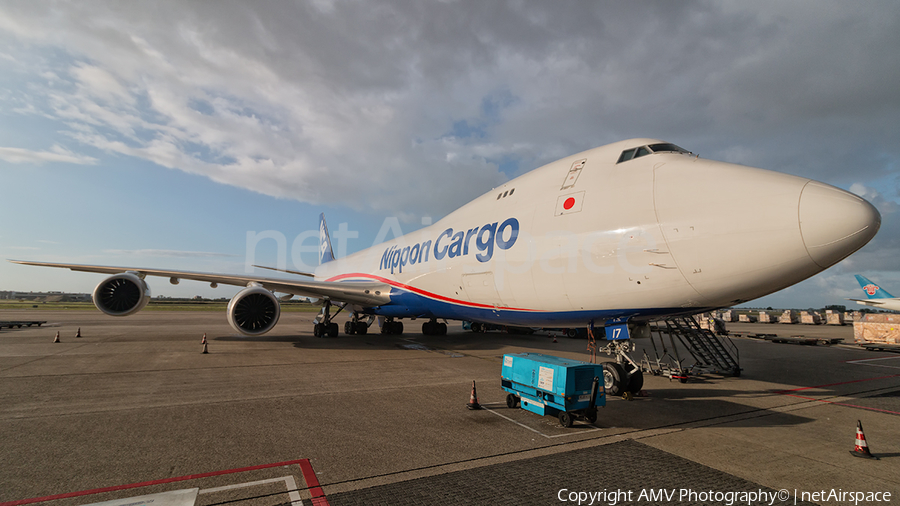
253 311
122 294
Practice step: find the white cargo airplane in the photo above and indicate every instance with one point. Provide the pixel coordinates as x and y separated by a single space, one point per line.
877 297
628 232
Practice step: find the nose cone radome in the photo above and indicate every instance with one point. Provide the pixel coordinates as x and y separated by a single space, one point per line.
835 223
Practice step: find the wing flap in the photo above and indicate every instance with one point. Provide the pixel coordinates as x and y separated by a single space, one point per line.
361 293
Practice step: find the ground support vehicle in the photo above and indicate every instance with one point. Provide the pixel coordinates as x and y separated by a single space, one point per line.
547 385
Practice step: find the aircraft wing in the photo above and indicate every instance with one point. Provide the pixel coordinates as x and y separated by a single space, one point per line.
361 293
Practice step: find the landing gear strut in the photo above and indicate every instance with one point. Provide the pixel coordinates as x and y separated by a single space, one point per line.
324 327
433 328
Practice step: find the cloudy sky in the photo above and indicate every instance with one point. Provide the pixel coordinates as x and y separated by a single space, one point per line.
159 134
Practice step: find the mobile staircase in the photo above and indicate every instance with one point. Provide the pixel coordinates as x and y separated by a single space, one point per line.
711 353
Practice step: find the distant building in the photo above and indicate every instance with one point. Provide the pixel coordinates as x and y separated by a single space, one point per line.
45 296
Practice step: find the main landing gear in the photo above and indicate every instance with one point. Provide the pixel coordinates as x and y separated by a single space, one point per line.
324 327
391 327
355 327
433 328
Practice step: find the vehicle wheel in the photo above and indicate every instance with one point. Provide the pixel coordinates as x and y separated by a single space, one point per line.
398 328
476 328
319 330
428 328
348 328
613 379
636 382
572 333
683 380
565 419
591 415
332 330
442 328
361 328
511 401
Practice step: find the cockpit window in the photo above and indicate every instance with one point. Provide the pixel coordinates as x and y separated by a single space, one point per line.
662 147
665 147
626 155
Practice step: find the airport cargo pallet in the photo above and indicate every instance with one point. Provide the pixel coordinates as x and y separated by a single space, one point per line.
21 324
548 385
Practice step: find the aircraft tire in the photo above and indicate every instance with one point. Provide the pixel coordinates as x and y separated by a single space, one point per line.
332 330
361 328
428 328
613 379
442 329
565 419
636 382
349 328
398 328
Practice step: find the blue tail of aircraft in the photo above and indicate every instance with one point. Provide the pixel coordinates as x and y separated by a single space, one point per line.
326 254
872 290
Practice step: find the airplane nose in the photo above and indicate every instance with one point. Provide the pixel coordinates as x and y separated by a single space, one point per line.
834 223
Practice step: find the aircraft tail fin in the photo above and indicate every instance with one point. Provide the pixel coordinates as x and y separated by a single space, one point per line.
872 290
326 254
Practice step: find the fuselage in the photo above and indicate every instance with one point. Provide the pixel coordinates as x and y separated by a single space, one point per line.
605 234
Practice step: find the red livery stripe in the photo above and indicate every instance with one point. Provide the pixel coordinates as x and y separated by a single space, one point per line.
421 292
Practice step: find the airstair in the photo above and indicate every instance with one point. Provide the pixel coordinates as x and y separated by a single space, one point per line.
711 353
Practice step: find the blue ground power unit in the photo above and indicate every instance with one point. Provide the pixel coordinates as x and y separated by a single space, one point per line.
549 385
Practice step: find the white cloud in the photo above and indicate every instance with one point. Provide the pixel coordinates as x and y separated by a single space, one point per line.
56 154
167 253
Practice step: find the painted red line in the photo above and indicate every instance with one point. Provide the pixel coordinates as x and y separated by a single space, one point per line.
423 292
784 392
312 483
148 483
839 404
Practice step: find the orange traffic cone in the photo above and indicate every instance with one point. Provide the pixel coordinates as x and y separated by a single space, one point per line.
205 349
203 341
57 338
78 334
861 449
473 399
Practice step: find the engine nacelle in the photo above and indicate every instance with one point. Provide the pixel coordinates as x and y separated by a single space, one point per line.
253 311
122 294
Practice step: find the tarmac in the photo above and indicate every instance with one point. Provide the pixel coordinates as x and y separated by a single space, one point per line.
133 408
